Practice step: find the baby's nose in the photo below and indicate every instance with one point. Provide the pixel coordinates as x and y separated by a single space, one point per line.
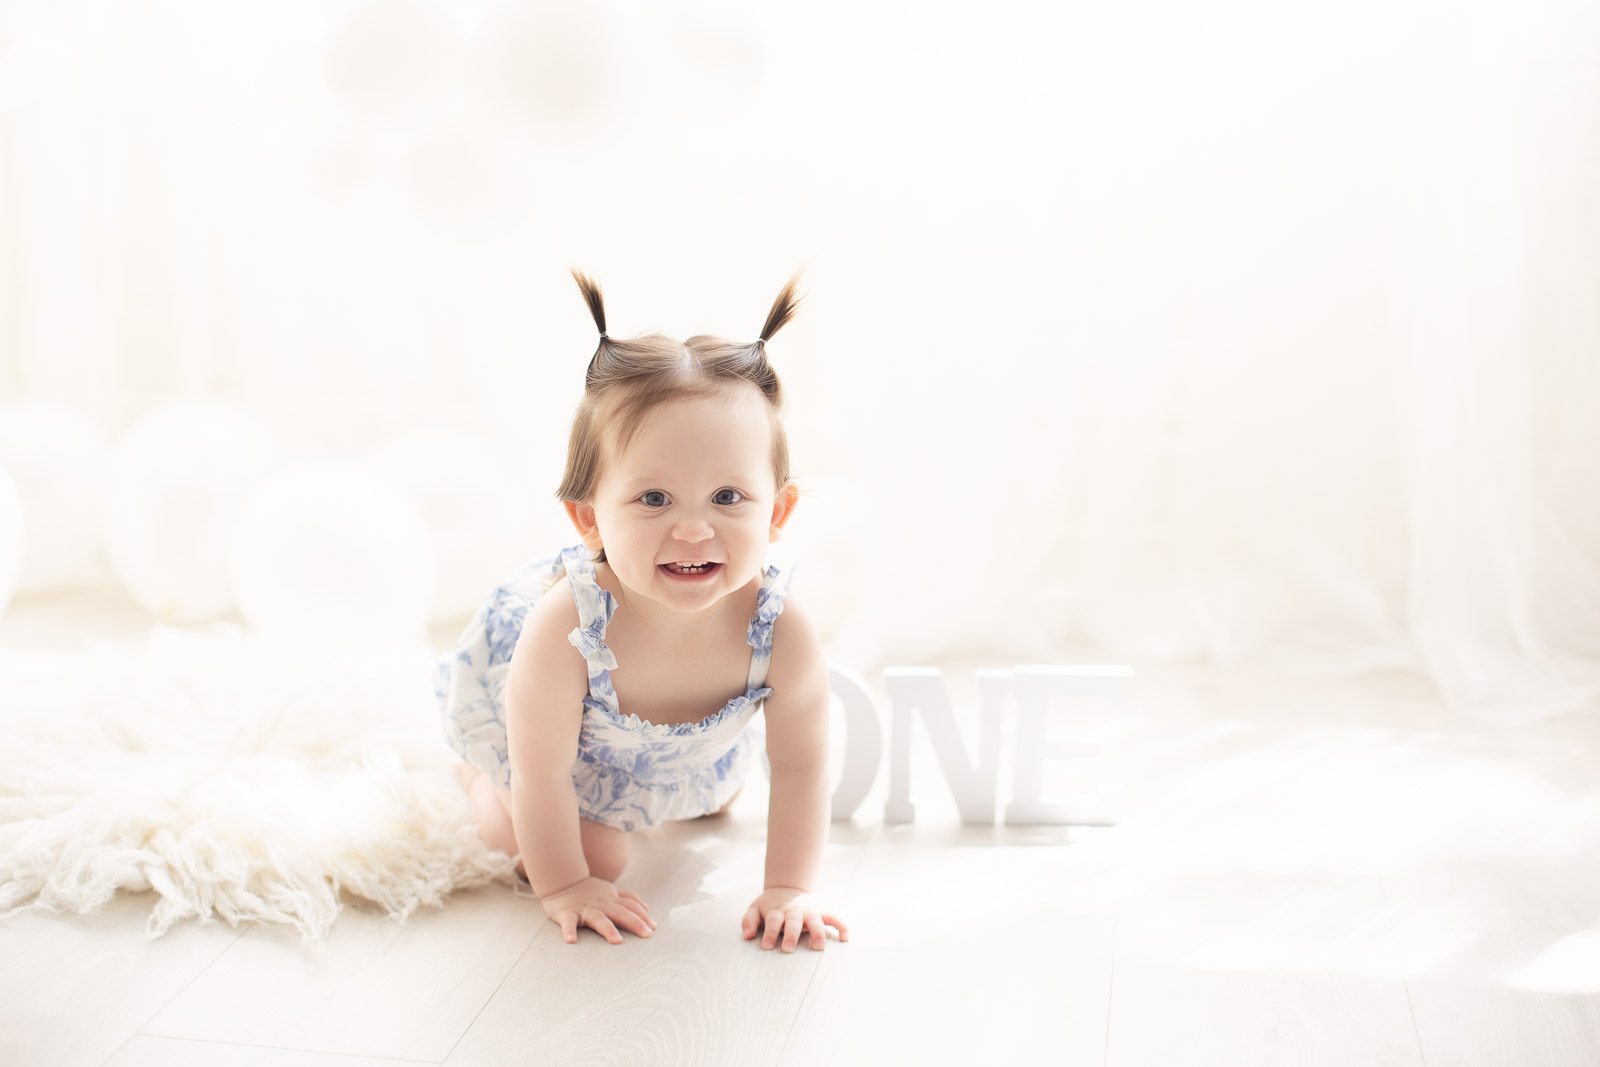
691 529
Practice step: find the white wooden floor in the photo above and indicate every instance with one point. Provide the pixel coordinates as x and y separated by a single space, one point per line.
1309 872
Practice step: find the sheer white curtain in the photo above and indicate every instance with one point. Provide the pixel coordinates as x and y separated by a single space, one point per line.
1497 292
1247 334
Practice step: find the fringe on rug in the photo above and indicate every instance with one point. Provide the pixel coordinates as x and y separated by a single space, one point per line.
237 778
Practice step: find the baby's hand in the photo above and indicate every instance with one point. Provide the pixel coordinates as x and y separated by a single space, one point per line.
780 910
599 905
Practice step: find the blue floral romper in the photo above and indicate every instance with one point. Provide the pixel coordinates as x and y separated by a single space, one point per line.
629 773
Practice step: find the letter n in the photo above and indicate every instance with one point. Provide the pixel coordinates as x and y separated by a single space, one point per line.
913 689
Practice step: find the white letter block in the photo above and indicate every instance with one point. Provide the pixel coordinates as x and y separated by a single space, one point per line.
1038 690
922 689
863 741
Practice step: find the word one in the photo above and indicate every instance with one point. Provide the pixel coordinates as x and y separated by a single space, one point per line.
1034 692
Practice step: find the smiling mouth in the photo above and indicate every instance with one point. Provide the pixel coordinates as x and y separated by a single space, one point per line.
690 570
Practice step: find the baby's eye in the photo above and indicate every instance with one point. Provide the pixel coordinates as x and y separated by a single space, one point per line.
727 496
655 498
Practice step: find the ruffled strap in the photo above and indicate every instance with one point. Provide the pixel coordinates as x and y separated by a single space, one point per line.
595 608
769 604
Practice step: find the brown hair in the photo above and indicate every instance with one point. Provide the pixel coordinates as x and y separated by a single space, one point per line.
626 380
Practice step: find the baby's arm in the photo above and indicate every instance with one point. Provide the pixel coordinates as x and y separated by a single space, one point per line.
798 812
545 688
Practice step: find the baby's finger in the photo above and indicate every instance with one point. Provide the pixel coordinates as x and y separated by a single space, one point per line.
596 920
794 923
629 918
774 926
631 895
636 907
814 927
569 926
750 925
838 924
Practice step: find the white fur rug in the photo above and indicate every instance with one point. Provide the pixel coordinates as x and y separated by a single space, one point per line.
236 778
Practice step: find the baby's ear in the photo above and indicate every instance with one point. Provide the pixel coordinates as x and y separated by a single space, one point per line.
582 516
782 508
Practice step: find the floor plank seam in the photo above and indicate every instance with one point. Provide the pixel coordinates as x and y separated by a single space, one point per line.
212 962
783 1049
117 1051
1421 1053
284 1048
1111 988
849 883
465 1030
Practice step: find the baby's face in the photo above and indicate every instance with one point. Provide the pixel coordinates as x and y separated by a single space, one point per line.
687 509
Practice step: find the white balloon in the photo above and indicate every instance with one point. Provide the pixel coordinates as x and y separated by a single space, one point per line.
325 550
179 477
13 536
57 458
476 509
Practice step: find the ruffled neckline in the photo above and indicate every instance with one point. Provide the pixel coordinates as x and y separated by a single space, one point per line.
634 724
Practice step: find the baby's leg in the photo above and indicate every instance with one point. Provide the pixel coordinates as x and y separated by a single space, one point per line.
494 817
605 848
724 809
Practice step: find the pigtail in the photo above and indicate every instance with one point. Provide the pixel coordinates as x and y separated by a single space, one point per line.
783 310
591 296
597 308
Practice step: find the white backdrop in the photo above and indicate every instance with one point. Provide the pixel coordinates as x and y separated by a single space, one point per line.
1245 334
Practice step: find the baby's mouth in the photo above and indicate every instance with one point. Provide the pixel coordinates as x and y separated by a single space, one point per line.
694 567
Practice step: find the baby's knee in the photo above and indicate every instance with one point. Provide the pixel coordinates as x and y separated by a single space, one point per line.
724 809
608 868
493 820
605 849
